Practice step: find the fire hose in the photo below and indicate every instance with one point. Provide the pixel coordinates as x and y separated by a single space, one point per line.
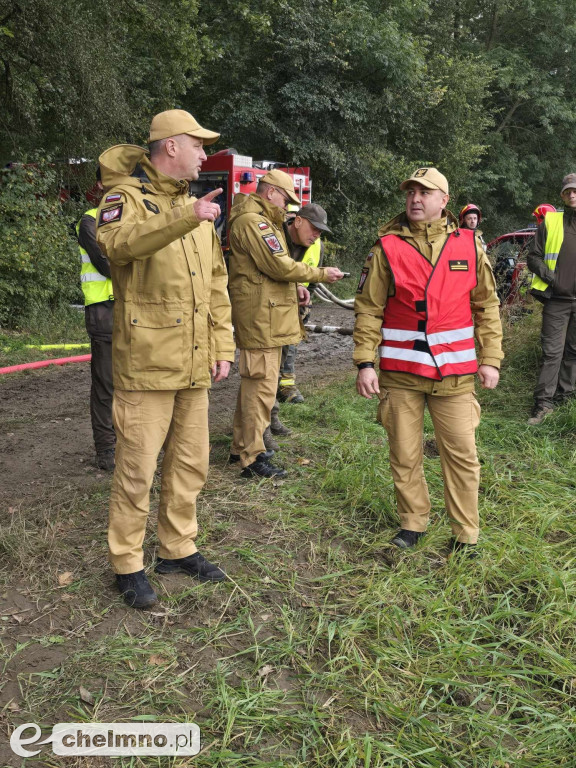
327 296
44 363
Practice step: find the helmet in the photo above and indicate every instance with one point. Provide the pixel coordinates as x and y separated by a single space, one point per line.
470 208
541 210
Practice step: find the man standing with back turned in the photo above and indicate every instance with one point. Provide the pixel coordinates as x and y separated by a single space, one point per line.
425 293
172 331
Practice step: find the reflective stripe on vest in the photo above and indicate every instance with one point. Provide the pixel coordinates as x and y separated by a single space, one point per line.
312 256
554 238
427 326
96 287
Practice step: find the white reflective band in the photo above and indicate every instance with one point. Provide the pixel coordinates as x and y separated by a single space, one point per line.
397 353
85 258
464 356
447 337
551 257
92 277
397 334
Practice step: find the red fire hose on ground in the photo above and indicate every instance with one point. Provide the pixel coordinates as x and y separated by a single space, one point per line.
44 363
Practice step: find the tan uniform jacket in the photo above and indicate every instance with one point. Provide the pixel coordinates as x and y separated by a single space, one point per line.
171 311
263 276
372 297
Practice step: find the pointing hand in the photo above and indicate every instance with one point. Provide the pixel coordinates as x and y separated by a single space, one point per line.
205 209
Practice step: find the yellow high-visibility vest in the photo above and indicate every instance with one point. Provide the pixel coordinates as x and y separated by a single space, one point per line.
554 237
312 256
96 287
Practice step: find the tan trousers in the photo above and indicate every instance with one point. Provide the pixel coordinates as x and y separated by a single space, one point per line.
144 422
455 419
258 384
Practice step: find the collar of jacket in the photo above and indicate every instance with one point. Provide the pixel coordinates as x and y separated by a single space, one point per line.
120 163
271 212
160 182
400 226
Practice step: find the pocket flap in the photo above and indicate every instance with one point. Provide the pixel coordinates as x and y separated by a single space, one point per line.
166 318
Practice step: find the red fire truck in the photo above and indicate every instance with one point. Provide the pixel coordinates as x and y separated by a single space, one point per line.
239 174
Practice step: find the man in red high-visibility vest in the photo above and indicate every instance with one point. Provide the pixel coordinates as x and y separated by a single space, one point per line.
426 294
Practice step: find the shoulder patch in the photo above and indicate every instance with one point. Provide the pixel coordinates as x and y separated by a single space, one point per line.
110 214
273 243
263 225
113 198
151 206
363 277
370 256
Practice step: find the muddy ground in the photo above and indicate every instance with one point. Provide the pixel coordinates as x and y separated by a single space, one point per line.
45 434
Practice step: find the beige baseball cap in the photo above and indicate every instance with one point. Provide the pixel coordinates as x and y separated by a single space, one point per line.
283 181
173 122
428 177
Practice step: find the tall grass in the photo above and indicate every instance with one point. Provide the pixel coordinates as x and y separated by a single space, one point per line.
330 648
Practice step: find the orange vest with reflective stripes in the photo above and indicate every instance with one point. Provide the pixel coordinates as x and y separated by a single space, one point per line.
427 326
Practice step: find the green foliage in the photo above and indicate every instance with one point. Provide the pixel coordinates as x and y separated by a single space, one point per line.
39 269
77 76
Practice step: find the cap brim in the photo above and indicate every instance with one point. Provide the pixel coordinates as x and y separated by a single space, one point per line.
568 186
422 182
318 225
208 137
291 196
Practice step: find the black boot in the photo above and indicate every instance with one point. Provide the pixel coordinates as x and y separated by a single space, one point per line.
405 539
135 589
261 468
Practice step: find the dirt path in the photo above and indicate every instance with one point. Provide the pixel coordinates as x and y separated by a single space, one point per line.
45 434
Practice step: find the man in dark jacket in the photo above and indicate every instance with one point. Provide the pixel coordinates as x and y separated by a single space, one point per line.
552 259
99 305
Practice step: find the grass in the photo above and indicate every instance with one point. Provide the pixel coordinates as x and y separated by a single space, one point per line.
328 648
63 327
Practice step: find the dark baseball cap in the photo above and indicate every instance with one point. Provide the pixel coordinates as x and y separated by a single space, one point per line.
568 182
316 215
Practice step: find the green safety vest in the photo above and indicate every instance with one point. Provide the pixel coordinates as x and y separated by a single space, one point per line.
95 286
554 237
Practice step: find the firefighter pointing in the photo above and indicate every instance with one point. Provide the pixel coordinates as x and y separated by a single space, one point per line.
172 333
425 293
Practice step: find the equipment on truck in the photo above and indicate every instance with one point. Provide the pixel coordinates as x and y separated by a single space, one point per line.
239 175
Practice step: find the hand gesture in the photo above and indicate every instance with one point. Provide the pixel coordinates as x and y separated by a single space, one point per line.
205 209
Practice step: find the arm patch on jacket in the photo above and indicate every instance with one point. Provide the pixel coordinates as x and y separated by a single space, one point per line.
363 277
151 206
115 197
110 214
262 225
273 243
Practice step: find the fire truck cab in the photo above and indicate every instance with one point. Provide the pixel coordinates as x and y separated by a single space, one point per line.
239 174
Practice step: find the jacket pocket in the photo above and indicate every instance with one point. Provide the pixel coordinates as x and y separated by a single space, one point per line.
157 340
283 318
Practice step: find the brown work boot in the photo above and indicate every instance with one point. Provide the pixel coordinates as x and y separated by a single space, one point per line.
105 460
276 426
269 443
539 413
289 393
